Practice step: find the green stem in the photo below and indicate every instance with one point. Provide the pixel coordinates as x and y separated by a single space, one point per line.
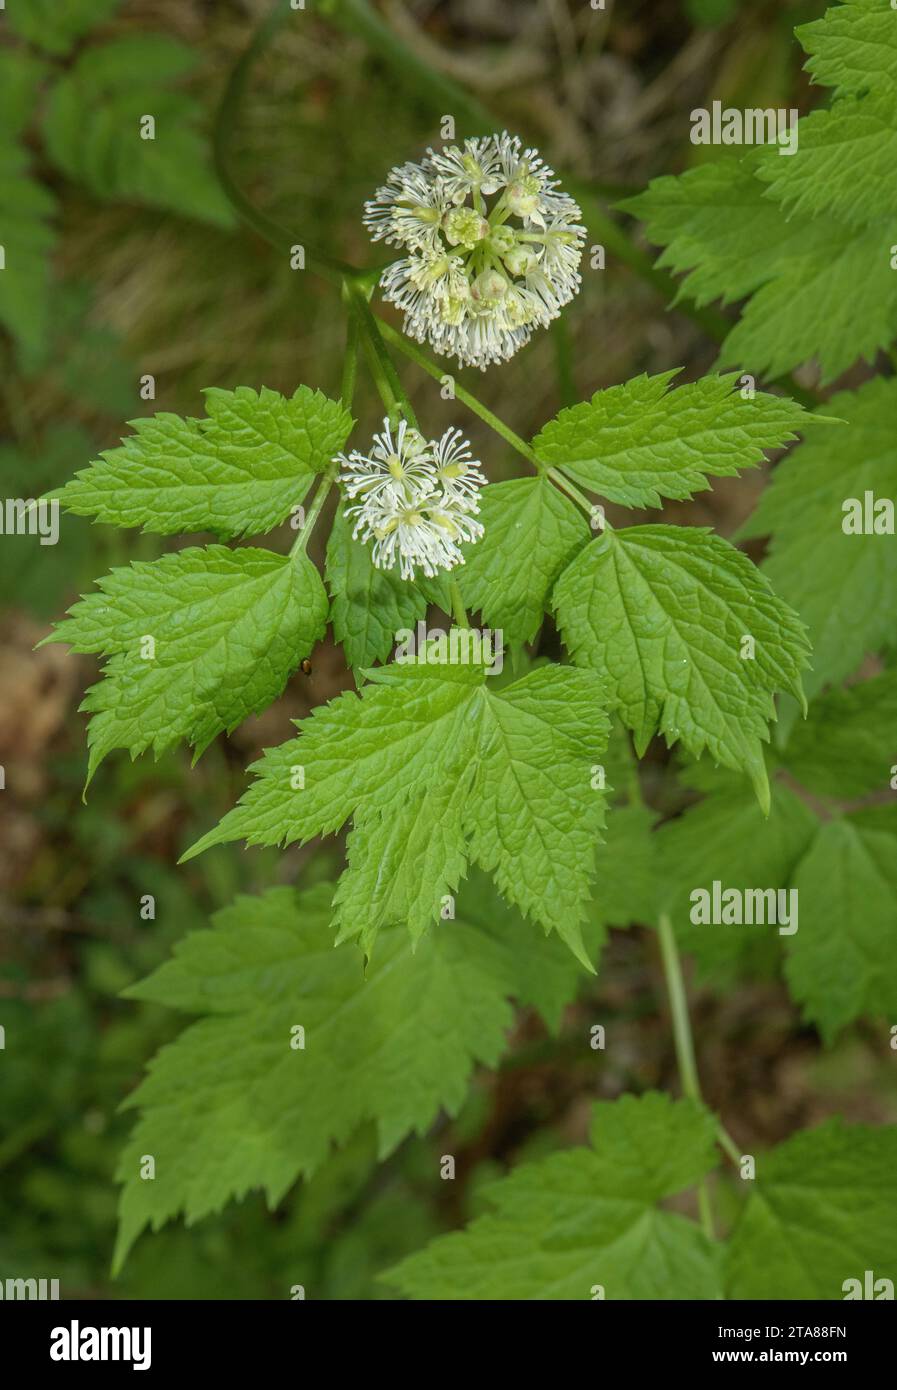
685 1051
572 491
386 378
459 612
412 351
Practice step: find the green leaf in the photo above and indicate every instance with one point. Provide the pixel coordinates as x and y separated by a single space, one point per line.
433 767
369 606
830 295
238 472
532 533
640 442
259 1113
725 838
843 586
20 76
848 745
57 27
821 1211
27 241
587 1217
227 628
710 220
852 47
821 290
663 612
844 165
840 961
92 128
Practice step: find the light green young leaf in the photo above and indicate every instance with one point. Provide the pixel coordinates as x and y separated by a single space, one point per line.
664 613
197 642
505 778
586 1217
369 606
726 838
821 1211
843 586
852 47
532 532
20 76
394 1045
848 745
54 26
841 960
92 128
237 472
640 442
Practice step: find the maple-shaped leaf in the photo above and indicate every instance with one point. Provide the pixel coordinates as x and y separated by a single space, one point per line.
640 442
239 471
587 1219
820 1212
433 768
689 636
196 641
394 1045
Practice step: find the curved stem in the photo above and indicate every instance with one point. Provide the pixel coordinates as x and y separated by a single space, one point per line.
685 1051
231 101
412 351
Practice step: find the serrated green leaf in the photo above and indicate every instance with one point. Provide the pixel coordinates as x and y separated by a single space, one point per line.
840 961
710 221
369 606
92 128
830 295
852 47
227 627
259 1113
531 533
587 1217
54 26
844 165
237 472
506 774
821 290
640 442
843 586
663 612
848 745
725 838
822 1210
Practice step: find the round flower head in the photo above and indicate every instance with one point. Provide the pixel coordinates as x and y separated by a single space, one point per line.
492 247
416 500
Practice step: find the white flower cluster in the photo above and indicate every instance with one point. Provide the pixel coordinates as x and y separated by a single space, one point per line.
416 498
478 276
